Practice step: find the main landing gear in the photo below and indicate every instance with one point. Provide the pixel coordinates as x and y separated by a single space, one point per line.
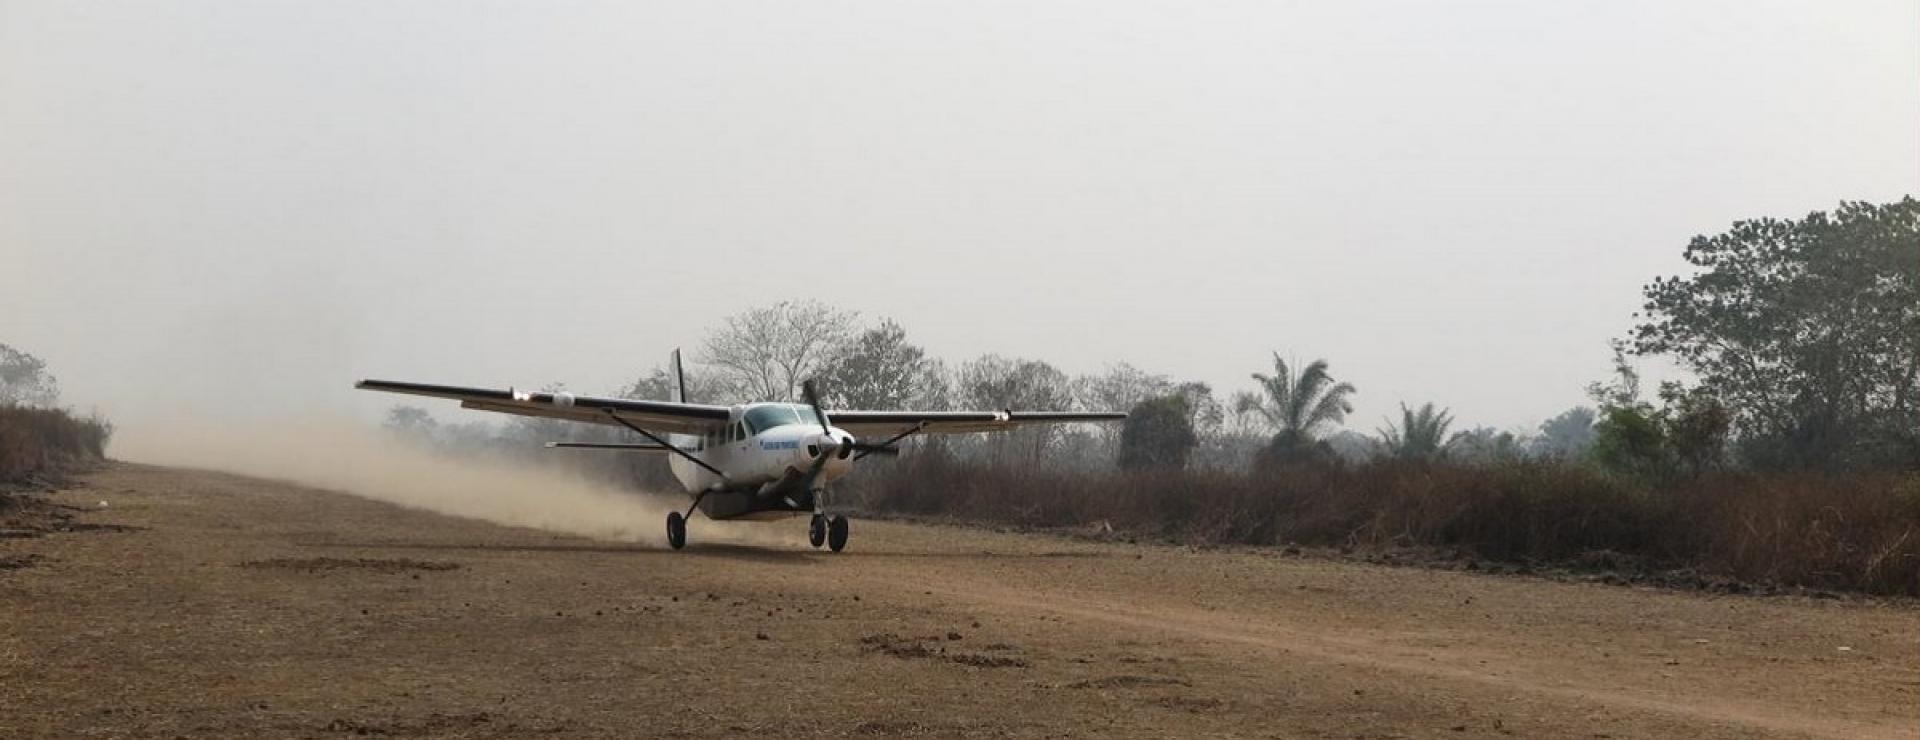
831 530
822 530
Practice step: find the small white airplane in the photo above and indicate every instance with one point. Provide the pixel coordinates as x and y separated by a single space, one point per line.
746 461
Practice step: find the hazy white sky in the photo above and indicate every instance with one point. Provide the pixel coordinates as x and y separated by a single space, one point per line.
246 206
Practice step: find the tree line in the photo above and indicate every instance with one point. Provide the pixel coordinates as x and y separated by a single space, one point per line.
1802 339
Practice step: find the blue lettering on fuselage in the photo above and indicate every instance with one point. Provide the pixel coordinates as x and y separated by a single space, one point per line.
787 445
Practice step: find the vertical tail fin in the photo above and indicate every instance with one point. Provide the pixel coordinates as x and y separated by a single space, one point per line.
678 378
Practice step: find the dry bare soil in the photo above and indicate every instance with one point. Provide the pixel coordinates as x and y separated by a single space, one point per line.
228 606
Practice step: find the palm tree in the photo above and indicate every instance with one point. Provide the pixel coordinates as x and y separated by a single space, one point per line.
1297 406
1421 435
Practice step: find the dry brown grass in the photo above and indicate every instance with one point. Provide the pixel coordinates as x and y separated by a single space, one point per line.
1857 533
38 445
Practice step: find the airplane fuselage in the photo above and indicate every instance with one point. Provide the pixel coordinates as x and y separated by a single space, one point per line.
762 455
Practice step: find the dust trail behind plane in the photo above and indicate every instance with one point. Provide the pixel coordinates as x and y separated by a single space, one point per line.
339 455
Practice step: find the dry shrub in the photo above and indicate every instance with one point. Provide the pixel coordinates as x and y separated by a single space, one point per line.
1858 533
39 444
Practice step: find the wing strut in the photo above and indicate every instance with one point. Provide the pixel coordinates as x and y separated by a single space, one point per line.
599 446
888 445
668 445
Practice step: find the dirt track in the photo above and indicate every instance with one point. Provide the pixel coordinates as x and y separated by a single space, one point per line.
246 607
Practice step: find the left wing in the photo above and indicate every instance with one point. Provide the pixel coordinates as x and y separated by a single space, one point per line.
883 423
661 416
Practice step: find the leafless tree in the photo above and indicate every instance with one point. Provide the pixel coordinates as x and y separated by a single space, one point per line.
764 353
995 382
24 380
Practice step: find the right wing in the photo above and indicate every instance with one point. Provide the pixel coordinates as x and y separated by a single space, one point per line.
656 416
886 423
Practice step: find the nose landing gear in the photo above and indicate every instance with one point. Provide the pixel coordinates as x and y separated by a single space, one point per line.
828 530
837 533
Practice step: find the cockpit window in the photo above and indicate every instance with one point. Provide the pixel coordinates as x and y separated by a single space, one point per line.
762 418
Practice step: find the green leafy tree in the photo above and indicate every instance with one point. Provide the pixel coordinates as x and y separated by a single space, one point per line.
1567 435
1807 331
1158 434
1421 434
1124 386
880 370
1484 445
1297 406
1696 425
1627 438
1686 435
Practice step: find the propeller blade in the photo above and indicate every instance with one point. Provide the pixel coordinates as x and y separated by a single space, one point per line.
867 448
813 399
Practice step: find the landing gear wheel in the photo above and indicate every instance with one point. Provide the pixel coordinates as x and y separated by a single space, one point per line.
676 530
817 530
837 533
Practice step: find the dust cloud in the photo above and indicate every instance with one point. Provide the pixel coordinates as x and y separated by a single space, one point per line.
369 463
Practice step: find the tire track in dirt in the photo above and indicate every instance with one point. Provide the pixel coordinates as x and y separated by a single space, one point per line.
1238 632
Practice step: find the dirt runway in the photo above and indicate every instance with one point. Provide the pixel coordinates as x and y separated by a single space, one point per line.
235 607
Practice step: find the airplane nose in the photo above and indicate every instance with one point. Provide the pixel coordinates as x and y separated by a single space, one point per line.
839 447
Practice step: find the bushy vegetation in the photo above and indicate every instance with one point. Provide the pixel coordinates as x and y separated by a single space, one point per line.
38 440
1853 532
38 445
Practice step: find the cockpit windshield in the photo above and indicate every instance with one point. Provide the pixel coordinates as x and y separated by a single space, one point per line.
762 418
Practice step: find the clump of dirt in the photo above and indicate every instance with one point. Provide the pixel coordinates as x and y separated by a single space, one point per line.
439 724
906 728
90 527
16 562
917 647
978 660
1127 681
320 565
26 515
1189 703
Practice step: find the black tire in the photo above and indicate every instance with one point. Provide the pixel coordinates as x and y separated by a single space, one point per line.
817 530
837 533
676 530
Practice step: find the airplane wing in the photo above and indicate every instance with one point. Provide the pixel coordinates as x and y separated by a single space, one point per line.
886 423
658 416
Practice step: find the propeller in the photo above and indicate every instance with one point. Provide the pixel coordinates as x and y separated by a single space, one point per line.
811 393
824 454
